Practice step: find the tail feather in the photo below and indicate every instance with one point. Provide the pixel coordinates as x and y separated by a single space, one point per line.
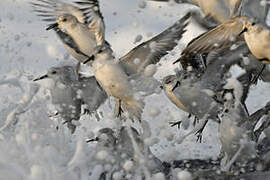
134 108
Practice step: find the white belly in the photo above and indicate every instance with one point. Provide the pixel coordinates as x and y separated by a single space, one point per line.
112 78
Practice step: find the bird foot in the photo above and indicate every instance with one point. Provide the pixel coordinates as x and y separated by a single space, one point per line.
199 136
86 111
195 121
178 123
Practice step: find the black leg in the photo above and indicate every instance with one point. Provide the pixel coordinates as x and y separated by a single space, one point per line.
255 79
200 131
195 121
246 109
120 111
178 123
86 111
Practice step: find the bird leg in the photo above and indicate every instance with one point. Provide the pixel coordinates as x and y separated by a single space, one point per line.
86 111
178 123
118 110
255 79
195 121
200 131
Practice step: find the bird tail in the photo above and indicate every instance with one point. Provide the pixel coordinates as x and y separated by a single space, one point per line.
134 108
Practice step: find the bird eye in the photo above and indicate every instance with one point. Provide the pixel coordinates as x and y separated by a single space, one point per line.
53 72
253 24
168 82
64 20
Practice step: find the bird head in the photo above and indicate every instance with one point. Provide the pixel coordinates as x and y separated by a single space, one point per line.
63 74
169 82
106 137
248 25
66 22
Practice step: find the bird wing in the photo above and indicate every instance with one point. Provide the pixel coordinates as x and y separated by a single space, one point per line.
68 40
214 74
94 18
219 38
235 8
86 11
151 51
49 10
92 93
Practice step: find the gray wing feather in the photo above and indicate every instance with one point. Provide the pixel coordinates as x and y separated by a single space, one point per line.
94 18
217 70
151 51
87 12
217 39
55 8
91 93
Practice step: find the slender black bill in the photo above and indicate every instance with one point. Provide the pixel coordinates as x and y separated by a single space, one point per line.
176 85
91 58
52 26
178 60
244 30
40 78
92 140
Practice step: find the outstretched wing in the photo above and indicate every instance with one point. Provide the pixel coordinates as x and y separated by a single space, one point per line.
86 11
94 18
151 51
217 39
49 10
68 41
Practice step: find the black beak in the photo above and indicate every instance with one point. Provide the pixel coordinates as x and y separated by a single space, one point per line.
244 30
42 77
178 60
52 26
91 58
176 85
92 140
